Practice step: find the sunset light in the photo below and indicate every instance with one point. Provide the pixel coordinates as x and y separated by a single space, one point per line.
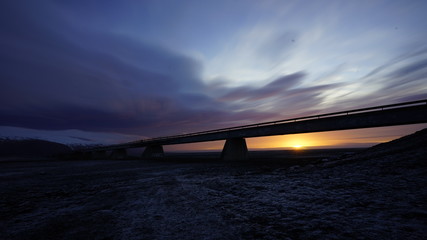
213 119
358 138
153 69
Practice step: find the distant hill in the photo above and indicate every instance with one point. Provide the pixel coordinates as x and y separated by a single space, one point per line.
411 145
407 151
31 148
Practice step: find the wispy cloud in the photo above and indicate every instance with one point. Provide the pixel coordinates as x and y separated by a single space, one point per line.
59 73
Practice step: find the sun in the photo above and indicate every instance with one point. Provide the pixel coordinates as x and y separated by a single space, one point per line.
297 146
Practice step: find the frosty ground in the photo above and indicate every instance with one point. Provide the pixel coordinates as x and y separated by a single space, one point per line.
377 194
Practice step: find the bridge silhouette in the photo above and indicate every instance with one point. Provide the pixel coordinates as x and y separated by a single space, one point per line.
235 147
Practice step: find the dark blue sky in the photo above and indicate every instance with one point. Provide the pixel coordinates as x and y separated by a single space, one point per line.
128 69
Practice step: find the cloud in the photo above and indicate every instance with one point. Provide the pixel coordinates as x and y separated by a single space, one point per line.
410 69
71 77
60 73
94 81
253 54
270 90
278 47
404 76
401 79
285 97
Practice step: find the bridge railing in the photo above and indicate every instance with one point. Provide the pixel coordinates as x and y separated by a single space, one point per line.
327 115
334 114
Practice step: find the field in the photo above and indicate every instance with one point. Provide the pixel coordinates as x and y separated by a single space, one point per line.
277 195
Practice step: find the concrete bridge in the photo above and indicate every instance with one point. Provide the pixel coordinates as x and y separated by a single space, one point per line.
235 145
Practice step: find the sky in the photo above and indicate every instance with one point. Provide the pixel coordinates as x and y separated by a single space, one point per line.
115 71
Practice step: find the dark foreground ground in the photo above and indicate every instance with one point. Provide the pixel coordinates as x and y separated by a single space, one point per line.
373 195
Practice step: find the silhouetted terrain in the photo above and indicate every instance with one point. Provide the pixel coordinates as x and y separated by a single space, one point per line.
379 193
31 148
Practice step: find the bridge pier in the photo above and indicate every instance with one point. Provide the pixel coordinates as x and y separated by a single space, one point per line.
118 154
153 151
235 146
235 149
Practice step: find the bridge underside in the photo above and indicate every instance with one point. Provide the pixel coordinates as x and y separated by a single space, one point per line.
235 146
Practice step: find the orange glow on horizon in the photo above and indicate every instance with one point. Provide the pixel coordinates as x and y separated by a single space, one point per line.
297 146
333 139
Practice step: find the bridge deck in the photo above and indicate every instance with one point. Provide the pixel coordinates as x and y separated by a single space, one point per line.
379 116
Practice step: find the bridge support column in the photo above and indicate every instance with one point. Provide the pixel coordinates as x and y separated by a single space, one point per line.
153 151
235 149
118 154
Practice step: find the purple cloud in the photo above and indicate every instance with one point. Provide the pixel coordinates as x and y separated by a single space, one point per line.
58 74
63 78
279 85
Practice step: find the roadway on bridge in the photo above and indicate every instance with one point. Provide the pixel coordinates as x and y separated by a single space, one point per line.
235 147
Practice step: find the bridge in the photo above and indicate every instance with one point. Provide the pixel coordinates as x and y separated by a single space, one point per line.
235 144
